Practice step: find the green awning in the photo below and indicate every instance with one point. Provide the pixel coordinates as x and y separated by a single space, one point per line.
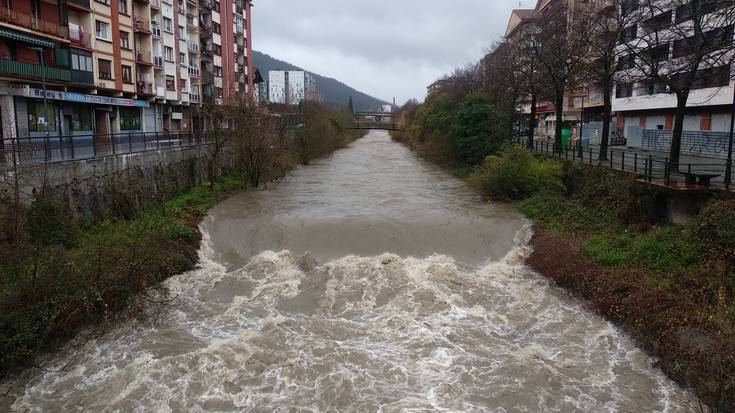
25 37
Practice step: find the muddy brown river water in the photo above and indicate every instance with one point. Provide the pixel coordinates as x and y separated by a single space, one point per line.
369 281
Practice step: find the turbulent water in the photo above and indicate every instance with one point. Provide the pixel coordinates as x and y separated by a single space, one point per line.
369 281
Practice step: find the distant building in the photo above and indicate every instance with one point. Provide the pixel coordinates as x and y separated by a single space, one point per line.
291 87
260 91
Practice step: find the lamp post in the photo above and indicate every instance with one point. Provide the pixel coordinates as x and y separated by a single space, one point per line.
728 166
45 99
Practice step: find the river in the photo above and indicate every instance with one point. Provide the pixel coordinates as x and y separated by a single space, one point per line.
368 281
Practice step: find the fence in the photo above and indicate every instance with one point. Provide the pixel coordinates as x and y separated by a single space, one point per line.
649 168
692 143
36 150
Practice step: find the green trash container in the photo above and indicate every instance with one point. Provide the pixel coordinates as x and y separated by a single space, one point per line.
566 136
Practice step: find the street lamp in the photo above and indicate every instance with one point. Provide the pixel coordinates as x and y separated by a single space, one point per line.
43 83
728 166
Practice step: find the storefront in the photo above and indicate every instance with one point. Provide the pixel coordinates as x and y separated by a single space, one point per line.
74 114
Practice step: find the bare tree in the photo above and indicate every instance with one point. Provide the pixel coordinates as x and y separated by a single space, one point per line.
218 137
605 25
258 149
675 47
527 72
559 50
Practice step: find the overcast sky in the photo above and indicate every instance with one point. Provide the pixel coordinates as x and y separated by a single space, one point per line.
383 48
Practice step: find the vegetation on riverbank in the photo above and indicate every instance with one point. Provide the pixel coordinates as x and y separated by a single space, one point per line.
61 271
608 239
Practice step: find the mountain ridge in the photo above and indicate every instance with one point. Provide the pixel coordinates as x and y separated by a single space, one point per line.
336 93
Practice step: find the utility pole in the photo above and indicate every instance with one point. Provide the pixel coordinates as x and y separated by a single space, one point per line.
728 166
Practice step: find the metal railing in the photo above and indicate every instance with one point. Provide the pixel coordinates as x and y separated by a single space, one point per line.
655 169
33 69
32 22
40 150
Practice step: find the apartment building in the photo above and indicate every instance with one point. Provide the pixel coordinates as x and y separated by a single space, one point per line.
118 66
291 86
643 107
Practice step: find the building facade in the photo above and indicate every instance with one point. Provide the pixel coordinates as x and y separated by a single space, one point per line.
291 87
118 66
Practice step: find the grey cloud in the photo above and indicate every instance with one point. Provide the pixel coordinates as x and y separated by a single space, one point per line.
382 48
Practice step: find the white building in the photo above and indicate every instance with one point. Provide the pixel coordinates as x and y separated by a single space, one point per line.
646 111
291 87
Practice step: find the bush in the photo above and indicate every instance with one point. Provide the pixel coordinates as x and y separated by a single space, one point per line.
515 174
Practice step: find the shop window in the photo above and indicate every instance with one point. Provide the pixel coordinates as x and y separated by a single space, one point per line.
125 40
105 69
129 119
127 74
81 118
37 117
102 30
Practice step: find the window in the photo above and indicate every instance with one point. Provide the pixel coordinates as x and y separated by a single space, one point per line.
218 71
102 30
127 74
125 40
129 118
182 33
628 7
81 61
167 25
182 59
629 34
124 7
105 69
626 62
216 28
624 90
659 22
657 54
105 2
714 77
37 117
168 53
217 49
714 40
170 83
699 8
215 5
81 118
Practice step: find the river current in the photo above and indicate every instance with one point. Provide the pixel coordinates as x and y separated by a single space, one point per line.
370 281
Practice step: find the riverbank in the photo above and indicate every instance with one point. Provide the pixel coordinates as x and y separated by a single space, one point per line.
62 275
608 239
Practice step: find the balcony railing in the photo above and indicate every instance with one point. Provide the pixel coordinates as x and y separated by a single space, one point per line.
143 57
141 25
78 38
32 22
194 71
16 67
194 98
145 88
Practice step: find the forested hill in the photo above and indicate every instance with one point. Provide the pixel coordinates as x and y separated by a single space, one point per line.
335 92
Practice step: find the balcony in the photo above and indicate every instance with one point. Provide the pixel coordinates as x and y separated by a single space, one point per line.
193 46
145 88
81 4
143 57
158 62
194 98
184 96
160 92
78 37
82 77
32 22
141 25
156 4
194 71
18 68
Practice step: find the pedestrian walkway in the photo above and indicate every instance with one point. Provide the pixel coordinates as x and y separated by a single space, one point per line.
693 173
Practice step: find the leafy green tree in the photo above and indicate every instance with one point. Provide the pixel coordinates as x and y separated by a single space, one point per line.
472 130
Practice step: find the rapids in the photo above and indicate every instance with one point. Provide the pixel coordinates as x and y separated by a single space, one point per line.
370 281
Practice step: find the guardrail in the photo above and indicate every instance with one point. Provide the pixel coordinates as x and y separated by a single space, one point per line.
40 150
650 168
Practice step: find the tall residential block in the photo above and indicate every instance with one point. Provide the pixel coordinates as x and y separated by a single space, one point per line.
119 66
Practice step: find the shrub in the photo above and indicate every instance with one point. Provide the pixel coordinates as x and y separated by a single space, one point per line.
515 174
49 223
